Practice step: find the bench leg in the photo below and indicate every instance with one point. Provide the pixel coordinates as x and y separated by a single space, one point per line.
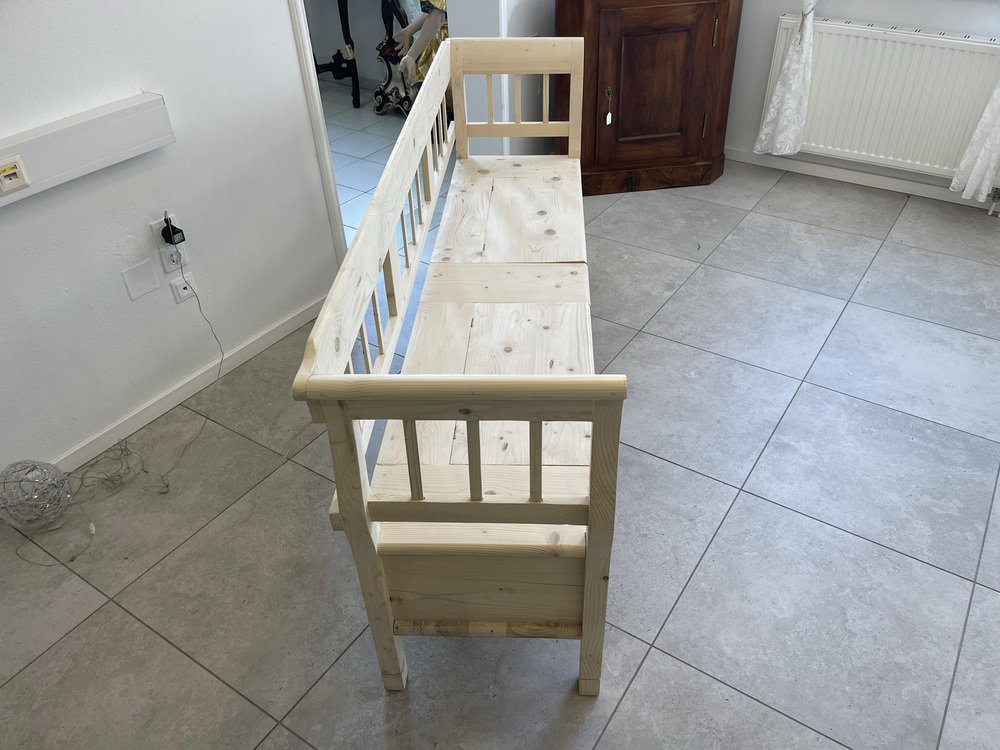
591 659
600 531
388 648
349 511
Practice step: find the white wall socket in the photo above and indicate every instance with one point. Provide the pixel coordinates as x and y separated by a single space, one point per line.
183 288
12 175
171 257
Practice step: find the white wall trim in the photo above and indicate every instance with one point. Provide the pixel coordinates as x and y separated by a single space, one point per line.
858 177
167 400
314 103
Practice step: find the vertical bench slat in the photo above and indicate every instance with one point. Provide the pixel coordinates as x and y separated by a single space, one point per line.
442 126
425 173
475 461
389 276
545 97
413 223
413 459
459 103
517 98
576 101
420 201
406 243
366 352
535 460
489 98
377 315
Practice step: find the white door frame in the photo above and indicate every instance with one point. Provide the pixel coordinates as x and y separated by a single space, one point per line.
303 46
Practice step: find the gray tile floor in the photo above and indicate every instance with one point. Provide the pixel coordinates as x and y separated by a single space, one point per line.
804 555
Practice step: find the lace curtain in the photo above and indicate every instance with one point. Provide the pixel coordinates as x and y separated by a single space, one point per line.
980 166
785 118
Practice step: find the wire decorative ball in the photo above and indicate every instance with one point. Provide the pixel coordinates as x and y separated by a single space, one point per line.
32 494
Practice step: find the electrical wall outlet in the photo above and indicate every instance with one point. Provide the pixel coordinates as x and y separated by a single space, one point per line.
12 175
183 288
172 257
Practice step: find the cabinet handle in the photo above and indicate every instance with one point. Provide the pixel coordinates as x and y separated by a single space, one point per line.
609 119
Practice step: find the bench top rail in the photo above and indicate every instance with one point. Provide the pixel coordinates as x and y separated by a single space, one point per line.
388 244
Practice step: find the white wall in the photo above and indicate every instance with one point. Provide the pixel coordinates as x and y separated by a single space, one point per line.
760 22
243 179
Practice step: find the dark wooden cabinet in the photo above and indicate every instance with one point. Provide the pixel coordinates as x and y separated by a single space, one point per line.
663 70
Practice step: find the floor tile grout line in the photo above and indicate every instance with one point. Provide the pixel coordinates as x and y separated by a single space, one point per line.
824 227
332 482
627 632
841 316
320 678
294 734
233 430
621 697
715 534
57 641
900 411
795 395
723 356
650 453
968 612
687 278
188 656
757 495
925 320
663 624
595 216
646 249
112 597
946 254
857 535
201 528
750 696
614 322
771 281
768 192
694 570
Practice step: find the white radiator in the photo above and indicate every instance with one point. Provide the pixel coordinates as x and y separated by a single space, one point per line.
898 97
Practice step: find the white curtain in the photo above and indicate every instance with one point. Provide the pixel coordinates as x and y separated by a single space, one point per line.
979 169
785 117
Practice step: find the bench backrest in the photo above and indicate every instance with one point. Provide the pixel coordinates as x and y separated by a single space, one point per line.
517 58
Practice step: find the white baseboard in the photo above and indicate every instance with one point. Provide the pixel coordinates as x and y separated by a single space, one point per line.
844 174
164 402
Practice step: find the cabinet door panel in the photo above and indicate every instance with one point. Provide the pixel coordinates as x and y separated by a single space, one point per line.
657 61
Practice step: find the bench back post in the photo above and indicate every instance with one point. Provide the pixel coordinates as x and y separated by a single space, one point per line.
517 57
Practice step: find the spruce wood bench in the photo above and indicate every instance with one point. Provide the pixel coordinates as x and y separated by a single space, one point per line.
490 510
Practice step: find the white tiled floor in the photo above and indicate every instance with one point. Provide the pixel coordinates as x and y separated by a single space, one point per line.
360 144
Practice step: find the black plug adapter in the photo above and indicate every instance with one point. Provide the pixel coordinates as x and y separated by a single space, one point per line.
172 235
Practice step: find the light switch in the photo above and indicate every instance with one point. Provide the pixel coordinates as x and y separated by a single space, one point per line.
12 175
140 279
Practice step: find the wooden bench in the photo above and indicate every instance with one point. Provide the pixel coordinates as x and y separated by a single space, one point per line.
490 509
